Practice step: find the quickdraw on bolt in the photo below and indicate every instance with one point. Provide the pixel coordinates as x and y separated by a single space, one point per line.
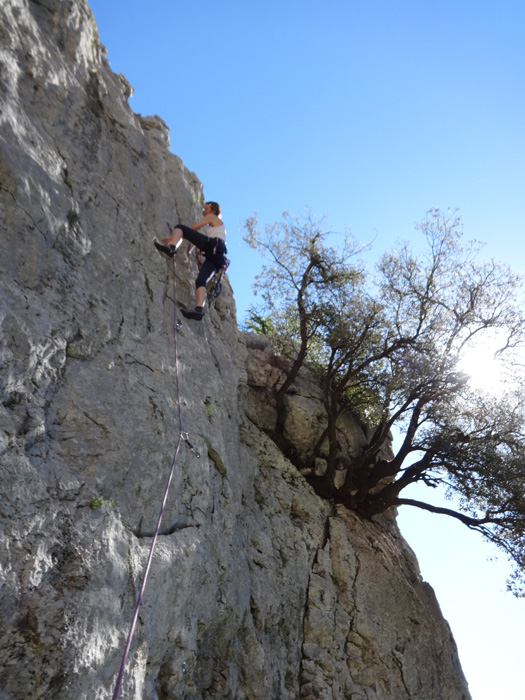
186 439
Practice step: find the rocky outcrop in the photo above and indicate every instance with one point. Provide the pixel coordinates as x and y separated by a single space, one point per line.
258 588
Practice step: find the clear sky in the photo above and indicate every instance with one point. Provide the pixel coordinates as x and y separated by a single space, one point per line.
369 112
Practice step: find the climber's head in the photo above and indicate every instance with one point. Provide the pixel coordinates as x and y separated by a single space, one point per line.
212 206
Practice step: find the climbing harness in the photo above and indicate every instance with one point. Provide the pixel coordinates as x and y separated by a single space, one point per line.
220 272
182 436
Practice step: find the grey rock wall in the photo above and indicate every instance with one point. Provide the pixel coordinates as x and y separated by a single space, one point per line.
258 589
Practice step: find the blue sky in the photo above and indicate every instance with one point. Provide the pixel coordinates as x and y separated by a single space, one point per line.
368 112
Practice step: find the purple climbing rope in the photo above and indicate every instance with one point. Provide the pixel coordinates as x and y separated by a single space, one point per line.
157 529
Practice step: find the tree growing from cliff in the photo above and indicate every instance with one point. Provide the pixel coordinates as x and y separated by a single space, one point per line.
393 352
305 275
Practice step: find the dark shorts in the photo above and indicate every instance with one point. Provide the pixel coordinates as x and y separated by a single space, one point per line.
213 248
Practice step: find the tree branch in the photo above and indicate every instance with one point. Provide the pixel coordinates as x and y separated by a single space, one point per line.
473 523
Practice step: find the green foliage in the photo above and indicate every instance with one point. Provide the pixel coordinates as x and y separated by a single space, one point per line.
257 323
391 350
12 401
96 502
303 267
208 407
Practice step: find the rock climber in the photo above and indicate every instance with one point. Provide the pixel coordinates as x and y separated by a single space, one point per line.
212 244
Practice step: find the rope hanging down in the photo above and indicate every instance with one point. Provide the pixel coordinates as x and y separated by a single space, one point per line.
182 436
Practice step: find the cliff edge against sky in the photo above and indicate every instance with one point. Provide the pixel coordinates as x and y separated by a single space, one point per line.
258 588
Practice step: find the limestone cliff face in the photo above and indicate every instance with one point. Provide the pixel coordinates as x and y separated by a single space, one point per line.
258 589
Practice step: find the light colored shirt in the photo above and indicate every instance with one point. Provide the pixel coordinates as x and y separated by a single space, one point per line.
216 231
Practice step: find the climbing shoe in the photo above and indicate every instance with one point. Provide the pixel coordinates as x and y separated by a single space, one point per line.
168 250
196 313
